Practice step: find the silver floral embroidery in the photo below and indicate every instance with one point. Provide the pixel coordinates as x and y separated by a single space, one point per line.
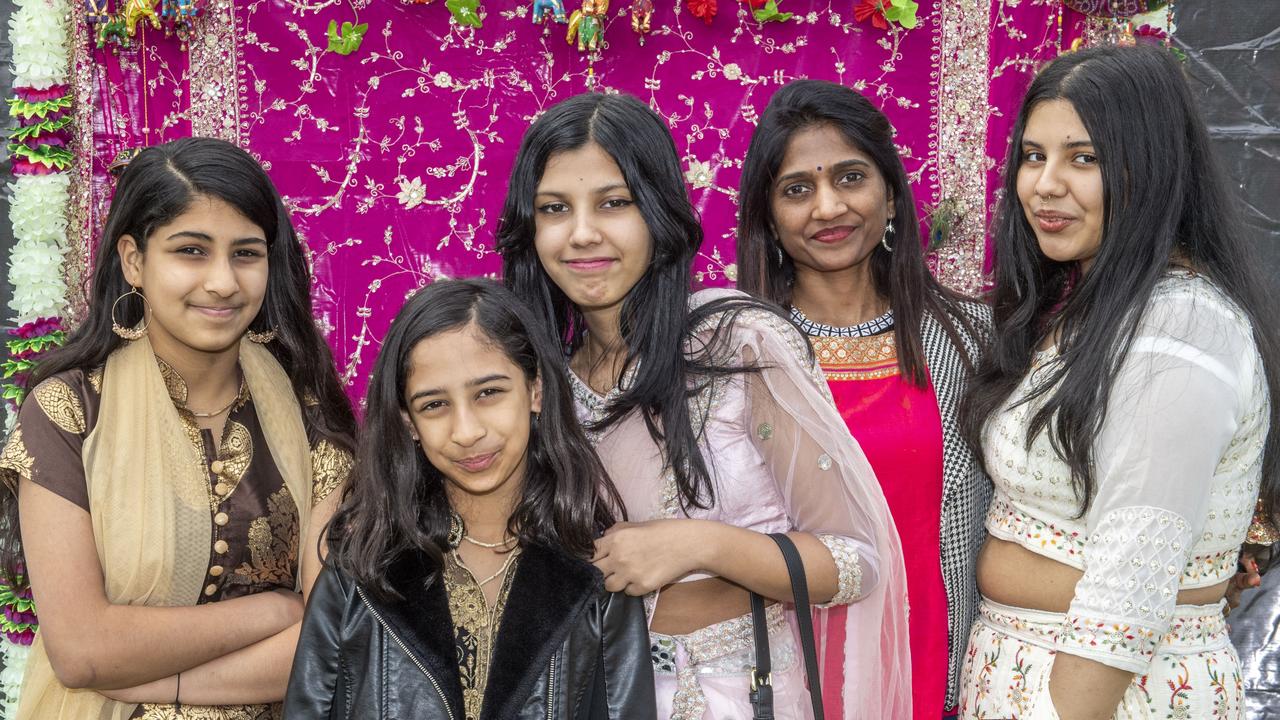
848 569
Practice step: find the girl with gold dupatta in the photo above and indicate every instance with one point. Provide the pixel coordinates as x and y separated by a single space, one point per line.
171 477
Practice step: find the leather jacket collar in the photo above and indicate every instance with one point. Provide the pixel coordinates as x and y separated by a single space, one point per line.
548 594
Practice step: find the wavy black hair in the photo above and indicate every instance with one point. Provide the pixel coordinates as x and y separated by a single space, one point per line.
395 502
157 186
656 321
1165 203
901 275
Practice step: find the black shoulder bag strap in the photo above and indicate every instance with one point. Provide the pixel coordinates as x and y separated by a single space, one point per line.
761 682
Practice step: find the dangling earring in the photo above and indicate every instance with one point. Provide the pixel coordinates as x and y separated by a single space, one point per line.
133 333
777 252
262 338
456 530
888 233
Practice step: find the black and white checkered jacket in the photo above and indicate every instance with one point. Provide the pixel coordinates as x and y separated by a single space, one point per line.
966 489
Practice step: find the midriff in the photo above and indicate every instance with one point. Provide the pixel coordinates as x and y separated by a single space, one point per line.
689 606
1010 574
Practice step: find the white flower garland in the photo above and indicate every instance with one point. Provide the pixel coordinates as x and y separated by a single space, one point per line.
38 211
38 214
38 30
15 664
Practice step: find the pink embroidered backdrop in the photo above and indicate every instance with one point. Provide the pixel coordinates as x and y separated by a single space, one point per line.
394 159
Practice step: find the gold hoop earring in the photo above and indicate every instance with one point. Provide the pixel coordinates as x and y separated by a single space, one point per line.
133 333
262 338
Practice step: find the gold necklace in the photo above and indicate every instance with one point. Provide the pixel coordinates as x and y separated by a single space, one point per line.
215 413
510 557
503 543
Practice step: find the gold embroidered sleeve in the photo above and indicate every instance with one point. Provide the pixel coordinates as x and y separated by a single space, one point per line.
61 404
15 461
330 466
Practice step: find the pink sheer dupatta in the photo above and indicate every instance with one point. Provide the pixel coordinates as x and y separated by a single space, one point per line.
828 486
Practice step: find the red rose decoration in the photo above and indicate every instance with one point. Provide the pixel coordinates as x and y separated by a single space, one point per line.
756 4
705 9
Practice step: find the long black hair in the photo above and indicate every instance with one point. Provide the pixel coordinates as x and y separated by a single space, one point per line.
656 322
158 185
396 501
900 275
1165 202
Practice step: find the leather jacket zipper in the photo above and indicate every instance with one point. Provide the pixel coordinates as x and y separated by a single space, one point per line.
551 687
448 711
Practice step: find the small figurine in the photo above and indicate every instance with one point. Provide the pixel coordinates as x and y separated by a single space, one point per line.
113 31
641 16
136 11
587 25
542 9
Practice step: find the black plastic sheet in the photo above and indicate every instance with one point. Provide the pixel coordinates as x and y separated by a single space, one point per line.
1233 59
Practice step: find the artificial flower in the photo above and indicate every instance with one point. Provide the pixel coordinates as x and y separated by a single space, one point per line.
873 9
37 209
771 13
465 12
704 9
38 33
35 272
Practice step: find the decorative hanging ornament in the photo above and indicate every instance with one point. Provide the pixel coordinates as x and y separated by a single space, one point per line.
114 32
136 11
95 12
586 25
179 17
641 17
1115 8
543 9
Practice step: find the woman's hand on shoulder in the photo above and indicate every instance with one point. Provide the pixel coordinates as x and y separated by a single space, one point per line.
639 558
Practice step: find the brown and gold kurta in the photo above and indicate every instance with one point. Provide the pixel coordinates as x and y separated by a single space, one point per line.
475 627
255 540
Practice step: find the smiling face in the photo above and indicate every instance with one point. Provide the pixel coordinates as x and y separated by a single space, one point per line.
1060 184
590 236
830 203
204 275
469 406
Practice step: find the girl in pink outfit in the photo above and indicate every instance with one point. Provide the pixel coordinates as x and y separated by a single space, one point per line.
714 422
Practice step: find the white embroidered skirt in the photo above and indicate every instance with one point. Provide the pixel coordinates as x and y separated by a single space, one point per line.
1195 674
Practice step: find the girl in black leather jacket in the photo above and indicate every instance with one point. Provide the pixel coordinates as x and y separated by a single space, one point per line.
458 584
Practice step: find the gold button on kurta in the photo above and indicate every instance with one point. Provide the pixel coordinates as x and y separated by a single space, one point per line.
216 467
210 589
216 570
222 488
221 519
220 547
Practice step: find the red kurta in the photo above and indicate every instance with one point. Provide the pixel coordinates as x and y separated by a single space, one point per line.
900 430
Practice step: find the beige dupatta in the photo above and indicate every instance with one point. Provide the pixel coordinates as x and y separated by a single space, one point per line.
149 500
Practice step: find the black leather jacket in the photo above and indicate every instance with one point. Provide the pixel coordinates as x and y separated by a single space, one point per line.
566 649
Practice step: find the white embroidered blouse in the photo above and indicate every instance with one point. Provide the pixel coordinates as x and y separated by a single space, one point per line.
1178 465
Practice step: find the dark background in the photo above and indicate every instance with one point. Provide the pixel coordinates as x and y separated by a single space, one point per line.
1233 49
